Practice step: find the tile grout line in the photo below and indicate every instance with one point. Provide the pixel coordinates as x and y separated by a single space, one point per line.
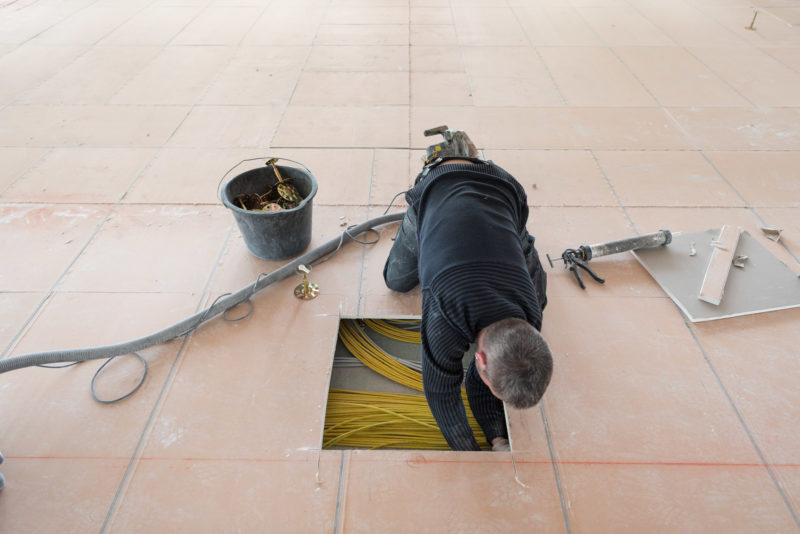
135 457
742 422
52 290
556 473
89 48
300 73
685 49
340 493
539 55
620 204
359 296
688 326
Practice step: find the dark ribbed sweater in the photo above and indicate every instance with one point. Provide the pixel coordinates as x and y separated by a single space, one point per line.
473 273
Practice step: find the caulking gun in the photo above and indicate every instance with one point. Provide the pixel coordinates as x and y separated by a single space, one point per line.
575 258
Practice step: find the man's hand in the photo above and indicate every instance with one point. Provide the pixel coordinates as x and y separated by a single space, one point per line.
500 445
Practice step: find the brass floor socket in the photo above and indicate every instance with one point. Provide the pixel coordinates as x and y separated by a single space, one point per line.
306 290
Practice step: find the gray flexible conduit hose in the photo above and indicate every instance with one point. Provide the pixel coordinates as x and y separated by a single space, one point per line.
190 323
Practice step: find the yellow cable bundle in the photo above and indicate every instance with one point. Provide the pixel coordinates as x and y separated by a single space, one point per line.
394 332
375 358
383 420
375 420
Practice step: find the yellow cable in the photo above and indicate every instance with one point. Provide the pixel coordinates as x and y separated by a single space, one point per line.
372 420
394 332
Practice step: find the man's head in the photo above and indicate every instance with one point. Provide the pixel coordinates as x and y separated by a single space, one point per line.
514 360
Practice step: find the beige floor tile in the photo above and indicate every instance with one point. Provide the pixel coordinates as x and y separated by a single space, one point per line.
153 25
85 175
510 92
762 178
440 89
258 75
93 78
527 433
282 494
789 14
15 162
228 127
756 359
788 56
343 175
770 31
431 15
557 177
488 26
187 175
367 15
27 66
687 25
676 78
352 89
20 25
651 411
15 309
503 62
789 479
273 356
362 34
152 249
86 26
762 80
436 59
432 35
594 77
555 24
99 126
179 75
28 481
287 24
64 394
218 26
739 129
675 498
34 232
375 481
558 229
354 58
337 277
400 305
350 126
623 26
393 172
669 178
580 128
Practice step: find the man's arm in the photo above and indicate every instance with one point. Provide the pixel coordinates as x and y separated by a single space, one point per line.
442 373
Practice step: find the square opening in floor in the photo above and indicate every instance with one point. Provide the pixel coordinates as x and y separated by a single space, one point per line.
375 399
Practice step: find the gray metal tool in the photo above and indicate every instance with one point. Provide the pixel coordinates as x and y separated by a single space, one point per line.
456 144
576 258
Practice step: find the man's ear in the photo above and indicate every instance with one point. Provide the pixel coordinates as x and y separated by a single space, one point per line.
480 360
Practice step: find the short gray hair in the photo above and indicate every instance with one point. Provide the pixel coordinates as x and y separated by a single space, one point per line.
519 363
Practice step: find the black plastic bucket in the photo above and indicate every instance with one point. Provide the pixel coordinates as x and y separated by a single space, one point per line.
273 235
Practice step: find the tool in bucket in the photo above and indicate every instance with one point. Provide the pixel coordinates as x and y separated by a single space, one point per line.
576 258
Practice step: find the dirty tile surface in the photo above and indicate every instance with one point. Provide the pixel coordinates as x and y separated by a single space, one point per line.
119 120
